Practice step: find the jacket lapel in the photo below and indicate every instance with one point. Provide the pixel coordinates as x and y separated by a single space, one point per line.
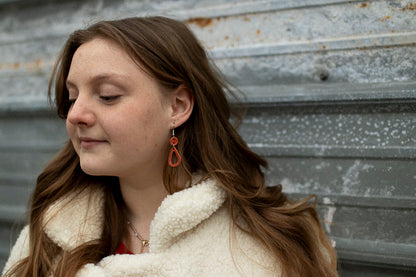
79 218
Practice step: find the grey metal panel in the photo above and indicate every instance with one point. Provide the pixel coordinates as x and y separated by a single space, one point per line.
348 130
35 133
331 91
377 65
343 178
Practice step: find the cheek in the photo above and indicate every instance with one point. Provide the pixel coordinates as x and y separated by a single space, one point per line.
149 129
70 129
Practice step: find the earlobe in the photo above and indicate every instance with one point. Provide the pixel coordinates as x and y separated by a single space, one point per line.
182 104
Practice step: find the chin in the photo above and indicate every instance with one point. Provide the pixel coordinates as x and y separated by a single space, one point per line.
95 171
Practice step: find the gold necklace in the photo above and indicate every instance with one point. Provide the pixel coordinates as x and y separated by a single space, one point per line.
143 242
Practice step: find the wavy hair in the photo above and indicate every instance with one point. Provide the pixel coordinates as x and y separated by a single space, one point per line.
168 51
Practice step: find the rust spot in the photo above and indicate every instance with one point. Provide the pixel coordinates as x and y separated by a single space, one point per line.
30 65
258 31
246 18
363 5
387 47
384 18
409 7
324 46
200 21
362 48
227 37
371 31
37 63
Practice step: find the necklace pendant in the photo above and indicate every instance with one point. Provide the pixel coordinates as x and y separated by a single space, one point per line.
145 243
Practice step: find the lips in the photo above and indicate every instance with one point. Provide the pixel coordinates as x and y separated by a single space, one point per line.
87 142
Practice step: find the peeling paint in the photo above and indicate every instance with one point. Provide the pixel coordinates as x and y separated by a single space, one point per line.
327 201
199 21
29 65
351 178
409 7
328 214
328 218
384 18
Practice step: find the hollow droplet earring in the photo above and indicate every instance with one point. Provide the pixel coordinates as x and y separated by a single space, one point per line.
173 142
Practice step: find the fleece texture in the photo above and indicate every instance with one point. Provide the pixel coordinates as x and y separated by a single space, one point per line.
191 235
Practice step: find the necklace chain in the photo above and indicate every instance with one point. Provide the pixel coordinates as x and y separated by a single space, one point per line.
143 242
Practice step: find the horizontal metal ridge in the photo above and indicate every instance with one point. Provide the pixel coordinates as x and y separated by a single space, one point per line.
244 7
12 213
32 147
378 252
213 10
329 92
331 44
350 151
24 104
374 201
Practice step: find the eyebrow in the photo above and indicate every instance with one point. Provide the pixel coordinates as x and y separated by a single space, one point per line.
111 77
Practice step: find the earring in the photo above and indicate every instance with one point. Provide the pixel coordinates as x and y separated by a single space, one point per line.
173 142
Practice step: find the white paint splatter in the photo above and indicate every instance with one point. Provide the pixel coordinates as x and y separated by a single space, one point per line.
328 217
288 185
351 178
327 201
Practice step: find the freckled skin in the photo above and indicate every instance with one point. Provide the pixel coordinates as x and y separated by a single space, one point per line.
133 130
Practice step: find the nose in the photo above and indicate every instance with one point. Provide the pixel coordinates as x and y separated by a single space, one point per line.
81 113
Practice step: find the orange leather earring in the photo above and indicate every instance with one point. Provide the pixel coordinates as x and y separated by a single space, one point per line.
173 142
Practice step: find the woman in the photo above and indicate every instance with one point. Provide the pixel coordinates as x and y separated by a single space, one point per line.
154 167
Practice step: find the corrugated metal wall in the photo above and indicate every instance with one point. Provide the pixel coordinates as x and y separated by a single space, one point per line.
331 90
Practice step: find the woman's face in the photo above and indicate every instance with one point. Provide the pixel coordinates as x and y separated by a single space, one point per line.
120 120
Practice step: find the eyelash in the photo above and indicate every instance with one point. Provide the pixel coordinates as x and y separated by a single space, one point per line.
103 98
109 98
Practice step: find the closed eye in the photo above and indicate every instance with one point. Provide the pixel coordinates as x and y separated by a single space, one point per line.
109 98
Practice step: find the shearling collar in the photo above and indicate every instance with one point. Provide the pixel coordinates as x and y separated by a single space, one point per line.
78 219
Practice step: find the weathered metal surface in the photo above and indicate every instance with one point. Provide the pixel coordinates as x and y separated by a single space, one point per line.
331 93
331 27
346 131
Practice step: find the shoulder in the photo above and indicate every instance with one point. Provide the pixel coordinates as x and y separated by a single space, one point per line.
251 256
220 248
20 249
75 219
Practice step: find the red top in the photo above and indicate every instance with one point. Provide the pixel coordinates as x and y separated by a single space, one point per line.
122 249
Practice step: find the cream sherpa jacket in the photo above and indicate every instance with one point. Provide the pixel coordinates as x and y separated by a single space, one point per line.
190 235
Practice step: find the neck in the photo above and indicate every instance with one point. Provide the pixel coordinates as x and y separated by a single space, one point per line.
142 198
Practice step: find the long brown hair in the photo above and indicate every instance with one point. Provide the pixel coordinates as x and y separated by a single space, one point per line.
169 52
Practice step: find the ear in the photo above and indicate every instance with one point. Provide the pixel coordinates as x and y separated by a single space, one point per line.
182 105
